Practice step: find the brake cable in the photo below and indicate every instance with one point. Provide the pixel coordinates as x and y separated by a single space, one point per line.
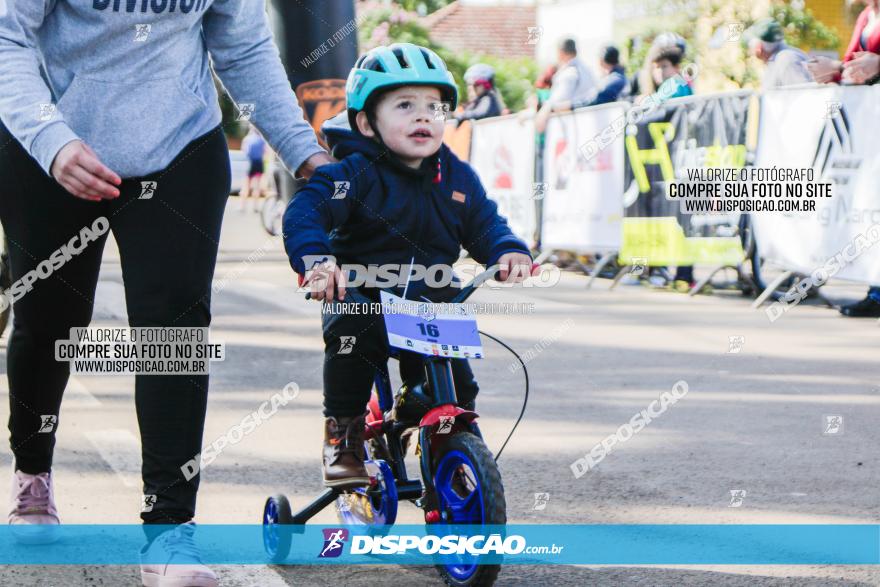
525 396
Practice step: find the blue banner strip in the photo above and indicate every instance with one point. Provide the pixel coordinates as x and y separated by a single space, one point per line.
686 544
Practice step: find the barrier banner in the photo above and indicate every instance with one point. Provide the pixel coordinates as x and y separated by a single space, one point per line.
458 138
661 145
582 196
831 130
503 155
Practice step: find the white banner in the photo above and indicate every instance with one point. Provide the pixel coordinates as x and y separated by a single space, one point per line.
834 131
583 201
503 154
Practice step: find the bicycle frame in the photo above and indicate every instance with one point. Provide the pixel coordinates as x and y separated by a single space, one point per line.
438 372
439 381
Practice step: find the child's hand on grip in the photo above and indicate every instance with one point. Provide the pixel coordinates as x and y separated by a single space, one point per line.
324 279
515 267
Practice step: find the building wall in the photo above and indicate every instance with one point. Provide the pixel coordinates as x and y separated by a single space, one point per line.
589 22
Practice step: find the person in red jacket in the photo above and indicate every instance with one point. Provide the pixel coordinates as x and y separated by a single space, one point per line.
860 65
861 62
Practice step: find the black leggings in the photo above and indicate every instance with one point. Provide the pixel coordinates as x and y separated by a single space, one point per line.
168 248
348 376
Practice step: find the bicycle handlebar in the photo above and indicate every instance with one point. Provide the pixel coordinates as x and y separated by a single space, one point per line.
465 292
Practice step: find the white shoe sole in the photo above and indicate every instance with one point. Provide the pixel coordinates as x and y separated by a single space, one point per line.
34 534
156 580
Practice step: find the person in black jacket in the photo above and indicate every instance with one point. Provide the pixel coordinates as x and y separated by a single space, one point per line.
397 196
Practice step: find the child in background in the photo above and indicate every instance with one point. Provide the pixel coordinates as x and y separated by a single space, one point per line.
254 147
484 99
666 72
397 196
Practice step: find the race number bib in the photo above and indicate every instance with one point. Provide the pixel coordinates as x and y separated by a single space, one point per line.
443 330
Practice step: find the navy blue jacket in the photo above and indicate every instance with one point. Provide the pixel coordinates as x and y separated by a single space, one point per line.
613 85
392 213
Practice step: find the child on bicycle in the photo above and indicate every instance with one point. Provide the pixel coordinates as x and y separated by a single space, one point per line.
396 196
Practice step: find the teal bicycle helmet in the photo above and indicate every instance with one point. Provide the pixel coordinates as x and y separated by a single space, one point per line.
400 64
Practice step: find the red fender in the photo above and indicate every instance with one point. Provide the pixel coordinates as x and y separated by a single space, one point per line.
433 416
373 406
375 419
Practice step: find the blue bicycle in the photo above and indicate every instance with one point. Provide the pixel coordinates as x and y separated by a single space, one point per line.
460 481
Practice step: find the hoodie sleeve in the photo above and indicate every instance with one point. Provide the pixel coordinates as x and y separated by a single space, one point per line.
324 203
246 60
23 92
487 235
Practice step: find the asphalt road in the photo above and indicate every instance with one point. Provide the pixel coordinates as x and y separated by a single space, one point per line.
752 420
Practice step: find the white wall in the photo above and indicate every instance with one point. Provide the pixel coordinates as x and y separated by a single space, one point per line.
589 22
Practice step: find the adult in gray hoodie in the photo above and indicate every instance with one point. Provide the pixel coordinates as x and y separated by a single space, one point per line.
110 121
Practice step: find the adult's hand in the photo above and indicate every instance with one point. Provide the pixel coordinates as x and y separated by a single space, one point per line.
823 69
79 170
863 66
308 168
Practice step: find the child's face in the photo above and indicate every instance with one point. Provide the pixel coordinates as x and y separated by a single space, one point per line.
663 70
405 117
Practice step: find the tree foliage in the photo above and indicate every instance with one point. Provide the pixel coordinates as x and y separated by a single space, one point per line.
422 6
802 29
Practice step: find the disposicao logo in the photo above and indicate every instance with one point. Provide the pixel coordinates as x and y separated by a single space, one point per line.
431 544
334 540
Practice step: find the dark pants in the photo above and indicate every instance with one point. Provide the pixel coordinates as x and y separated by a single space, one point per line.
685 273
168 247
348 376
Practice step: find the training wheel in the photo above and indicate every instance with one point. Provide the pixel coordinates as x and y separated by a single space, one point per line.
276 527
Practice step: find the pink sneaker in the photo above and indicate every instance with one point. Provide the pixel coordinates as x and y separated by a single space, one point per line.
32 516
172 560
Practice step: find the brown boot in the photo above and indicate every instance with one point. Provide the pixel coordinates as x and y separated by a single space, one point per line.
344 452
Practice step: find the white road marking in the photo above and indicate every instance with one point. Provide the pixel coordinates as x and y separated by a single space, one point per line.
78 394
122 451
110 301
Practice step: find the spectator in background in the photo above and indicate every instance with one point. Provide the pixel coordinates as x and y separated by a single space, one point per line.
572 82
645 82
485 100
544 85
666 61
860 65
666 69
254 148
860 57
786 66
611 87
